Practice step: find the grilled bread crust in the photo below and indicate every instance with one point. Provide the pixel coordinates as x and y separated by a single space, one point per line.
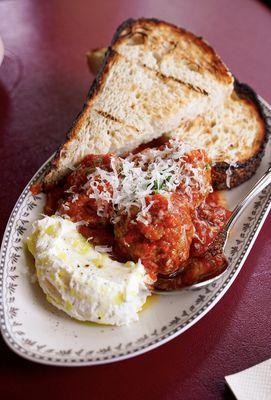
227 175
204 83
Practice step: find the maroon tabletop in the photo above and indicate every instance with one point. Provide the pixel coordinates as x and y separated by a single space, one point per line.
43 82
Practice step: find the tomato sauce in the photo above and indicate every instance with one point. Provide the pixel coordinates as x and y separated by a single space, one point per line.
208 220
178 245
162 244
36 188
197 269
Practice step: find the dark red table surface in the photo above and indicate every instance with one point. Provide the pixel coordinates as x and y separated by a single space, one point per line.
43 83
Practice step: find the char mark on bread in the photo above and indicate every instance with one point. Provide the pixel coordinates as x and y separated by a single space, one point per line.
148 84
109 116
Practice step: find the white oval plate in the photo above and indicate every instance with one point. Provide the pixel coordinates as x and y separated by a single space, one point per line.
37 331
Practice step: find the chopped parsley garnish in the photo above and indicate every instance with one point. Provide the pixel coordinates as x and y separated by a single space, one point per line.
163 186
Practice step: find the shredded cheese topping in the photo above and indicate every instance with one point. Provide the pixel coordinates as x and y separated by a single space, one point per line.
132 179
229 173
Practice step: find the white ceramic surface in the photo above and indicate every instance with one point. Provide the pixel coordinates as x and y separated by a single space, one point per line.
37 331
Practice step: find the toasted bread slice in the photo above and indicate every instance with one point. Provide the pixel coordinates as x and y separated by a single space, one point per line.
234 136
142 91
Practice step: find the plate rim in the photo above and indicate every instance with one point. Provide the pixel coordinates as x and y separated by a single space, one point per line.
156 342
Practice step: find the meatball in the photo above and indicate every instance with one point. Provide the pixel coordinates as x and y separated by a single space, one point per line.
193 165
81 208
80 201
89 164
72 193
208 220
162 240
197 269
196 184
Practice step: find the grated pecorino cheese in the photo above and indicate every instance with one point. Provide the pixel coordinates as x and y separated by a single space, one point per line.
134 178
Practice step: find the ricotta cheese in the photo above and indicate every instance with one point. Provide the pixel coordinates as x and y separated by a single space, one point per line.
85 283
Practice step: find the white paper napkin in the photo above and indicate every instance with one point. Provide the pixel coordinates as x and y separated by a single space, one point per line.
253 383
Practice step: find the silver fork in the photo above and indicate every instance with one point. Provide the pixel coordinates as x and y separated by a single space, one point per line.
256 189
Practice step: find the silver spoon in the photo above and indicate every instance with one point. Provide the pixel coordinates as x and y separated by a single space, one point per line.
256 189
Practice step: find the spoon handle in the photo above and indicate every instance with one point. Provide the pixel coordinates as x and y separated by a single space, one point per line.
256 189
